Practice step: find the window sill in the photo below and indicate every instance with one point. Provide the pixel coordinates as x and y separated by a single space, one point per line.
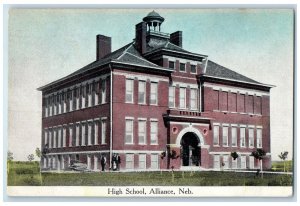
129 143
154 144
194 110
216 145
129 102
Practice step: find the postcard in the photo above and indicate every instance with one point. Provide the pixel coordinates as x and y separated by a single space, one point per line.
151 102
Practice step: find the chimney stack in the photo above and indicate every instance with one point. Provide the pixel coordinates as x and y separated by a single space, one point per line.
176 38
140 37
103 46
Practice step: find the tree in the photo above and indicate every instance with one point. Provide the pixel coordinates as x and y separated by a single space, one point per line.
30 157
283 156
234 155
259 154
38 152
10 156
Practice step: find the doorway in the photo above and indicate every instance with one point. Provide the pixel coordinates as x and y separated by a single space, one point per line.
190 150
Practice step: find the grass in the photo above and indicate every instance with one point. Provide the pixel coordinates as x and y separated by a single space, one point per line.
278 166
18 176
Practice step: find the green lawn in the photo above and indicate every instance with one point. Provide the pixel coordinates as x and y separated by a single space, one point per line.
23 174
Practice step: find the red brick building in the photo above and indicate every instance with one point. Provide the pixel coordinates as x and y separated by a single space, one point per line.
156 105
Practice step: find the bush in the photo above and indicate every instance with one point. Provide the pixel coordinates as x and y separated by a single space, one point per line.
23 171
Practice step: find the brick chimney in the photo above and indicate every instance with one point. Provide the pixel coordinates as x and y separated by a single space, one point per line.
103 46
140 37
176 38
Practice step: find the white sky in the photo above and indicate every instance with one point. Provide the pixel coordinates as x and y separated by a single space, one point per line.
45 45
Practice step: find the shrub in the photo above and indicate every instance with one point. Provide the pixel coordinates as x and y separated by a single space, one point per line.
23 171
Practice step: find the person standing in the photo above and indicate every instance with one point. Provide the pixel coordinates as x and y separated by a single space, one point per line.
118 162
114 162
103 162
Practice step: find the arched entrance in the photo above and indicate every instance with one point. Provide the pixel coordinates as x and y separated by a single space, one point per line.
190 149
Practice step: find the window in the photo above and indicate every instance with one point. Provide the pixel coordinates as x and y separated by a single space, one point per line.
153 93
65 102
83 134
50 106
89 133
182 67
153 131
46 107
217 161
77 134
243 162
154 161
142 89
89 162
225 136
234 163
193 69
251 162
142 132
182 98
233 136
216 135
45 136
83 93
70 135
59 137
142 161
103 131
90 95
96 132
54 137
194 97
50 137
70 100
96 93
243 137
251 137
225 162
103 91
77 98
129 131
64 136
129 90
59 104
259 138
129 161
171 65
54 104
172 96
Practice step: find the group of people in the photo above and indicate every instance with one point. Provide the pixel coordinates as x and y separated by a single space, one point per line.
115 162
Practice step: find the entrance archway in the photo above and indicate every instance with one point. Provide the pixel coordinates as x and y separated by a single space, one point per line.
190 149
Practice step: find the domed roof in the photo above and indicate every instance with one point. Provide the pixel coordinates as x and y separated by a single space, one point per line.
153 16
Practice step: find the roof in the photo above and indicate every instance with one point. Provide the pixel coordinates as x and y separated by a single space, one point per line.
153 15
127 55
215 70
